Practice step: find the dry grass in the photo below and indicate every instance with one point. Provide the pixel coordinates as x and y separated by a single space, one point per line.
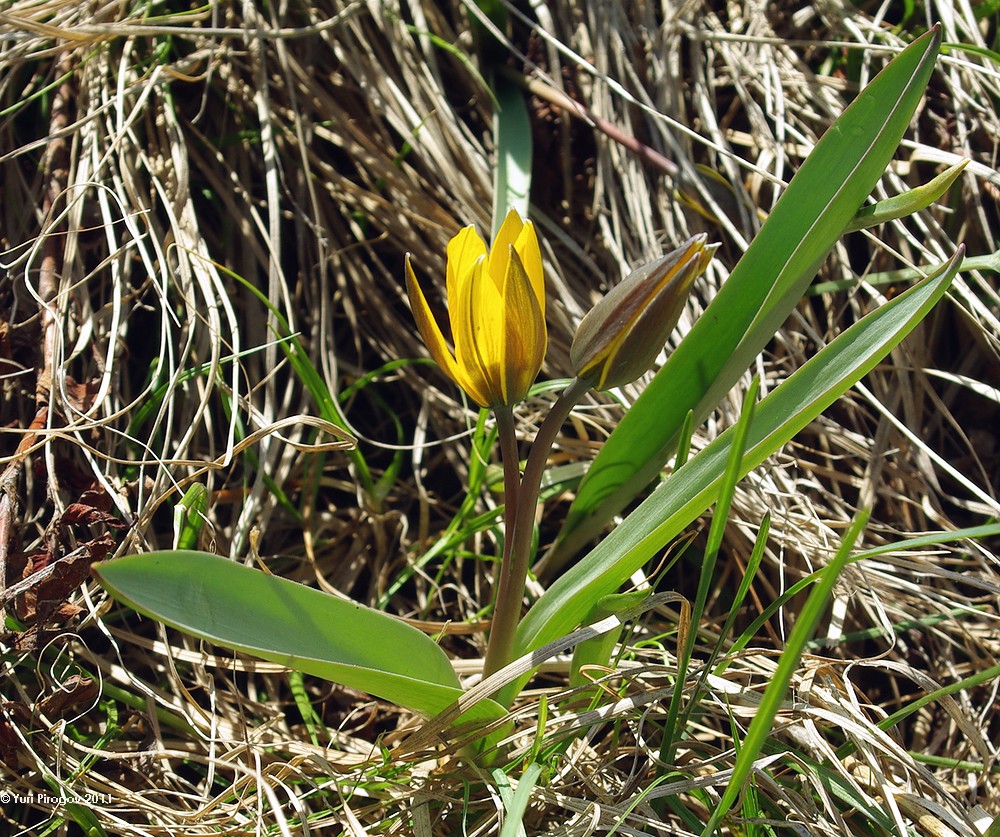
149 155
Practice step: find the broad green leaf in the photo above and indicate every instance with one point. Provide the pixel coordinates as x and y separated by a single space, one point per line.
690 490
247 610
761 292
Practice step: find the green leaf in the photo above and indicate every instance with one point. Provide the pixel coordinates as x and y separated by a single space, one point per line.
597 651
909 202
706 576
972 49
86 819
306 372
989 261
994 829
690 490
761 292
516 802
237 607
189 516
805 625
512 131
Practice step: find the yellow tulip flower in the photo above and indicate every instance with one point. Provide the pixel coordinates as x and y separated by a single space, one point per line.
496 305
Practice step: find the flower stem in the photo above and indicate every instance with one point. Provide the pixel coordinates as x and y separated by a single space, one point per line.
511 474
520 514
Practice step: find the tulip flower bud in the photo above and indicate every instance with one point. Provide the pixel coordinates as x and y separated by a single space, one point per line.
621 335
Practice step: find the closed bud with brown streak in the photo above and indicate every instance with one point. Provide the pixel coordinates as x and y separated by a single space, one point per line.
621 335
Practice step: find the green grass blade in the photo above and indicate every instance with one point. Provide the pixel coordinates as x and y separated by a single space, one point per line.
903 276
189 516
275 619
805 626
841 788
516 802
465 523
931 539
310 377
716 533
753 564
979 678
303 702
761 292
693 488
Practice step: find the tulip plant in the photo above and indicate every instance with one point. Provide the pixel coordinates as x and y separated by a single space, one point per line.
496 311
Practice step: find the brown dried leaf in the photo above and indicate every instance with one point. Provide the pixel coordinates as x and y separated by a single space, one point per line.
81 396
9 740
75 690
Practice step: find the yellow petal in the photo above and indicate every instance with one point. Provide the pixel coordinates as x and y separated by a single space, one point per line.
527 249
496 304
524 335
429 329
471 344
463 250
508 233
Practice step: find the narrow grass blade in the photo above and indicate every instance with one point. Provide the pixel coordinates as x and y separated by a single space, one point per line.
756 556
716 532
310 377
85 818
932 539
303 702
693 488
814 772
761 292
805 625
516 802
275 619
903 276
465 523
189 516
980 678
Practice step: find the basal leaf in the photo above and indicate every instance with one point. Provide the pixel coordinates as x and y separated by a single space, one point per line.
278 620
